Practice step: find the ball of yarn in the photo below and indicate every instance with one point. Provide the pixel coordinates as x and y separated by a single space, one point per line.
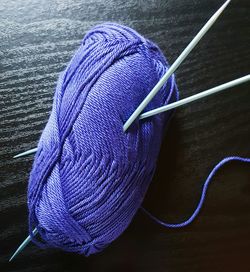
89 177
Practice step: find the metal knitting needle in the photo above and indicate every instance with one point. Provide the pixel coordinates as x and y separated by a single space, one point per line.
167 75
175 65
23 245
177 104
195 97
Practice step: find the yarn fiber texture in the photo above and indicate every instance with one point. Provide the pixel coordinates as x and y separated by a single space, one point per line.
89 177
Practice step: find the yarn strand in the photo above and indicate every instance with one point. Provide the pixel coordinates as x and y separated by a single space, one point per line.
202 198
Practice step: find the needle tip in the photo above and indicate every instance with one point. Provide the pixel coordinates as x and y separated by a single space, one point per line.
24 244
11 259
28 152
13 256
15 253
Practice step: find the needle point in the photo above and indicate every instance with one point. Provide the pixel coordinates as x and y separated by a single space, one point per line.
23 245
25 153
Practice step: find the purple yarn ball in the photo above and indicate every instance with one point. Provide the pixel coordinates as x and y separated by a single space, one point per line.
89 178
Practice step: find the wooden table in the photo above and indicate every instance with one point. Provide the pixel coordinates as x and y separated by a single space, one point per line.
38 38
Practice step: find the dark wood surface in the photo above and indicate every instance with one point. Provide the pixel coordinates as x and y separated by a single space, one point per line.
38 38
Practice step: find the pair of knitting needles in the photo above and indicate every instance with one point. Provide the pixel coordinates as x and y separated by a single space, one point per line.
155 90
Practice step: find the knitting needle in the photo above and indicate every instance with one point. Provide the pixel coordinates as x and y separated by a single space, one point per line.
177 104
195 97
170 71
175 65
23 245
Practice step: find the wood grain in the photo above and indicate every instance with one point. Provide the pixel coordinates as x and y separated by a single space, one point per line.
38 38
